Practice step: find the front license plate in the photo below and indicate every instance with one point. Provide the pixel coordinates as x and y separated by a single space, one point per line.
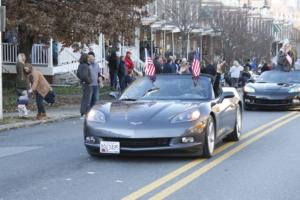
109 147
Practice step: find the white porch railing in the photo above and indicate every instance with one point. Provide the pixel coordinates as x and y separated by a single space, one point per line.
10 53
39 54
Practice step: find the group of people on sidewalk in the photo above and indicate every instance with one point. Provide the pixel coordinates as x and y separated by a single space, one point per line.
121 70
31 82
90 78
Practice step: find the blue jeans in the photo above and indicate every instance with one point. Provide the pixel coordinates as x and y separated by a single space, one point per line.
40 103
113 79
95 95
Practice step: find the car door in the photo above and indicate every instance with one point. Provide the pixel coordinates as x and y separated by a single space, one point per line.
225 110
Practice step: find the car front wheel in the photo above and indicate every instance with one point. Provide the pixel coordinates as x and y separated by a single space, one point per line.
210 138
236 134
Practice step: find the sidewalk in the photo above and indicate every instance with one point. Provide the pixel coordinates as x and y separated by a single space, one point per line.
55 114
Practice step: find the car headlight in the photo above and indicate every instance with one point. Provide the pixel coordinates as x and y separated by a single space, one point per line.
187 116
294 90
96 116
249 89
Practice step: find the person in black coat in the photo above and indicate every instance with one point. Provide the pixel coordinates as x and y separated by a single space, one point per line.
84 74
168 67
158 63
122 73
113 69
210 69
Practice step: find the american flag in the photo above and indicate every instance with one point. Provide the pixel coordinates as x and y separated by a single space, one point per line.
196 64
150 68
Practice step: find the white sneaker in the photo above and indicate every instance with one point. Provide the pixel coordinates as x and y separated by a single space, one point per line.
82 117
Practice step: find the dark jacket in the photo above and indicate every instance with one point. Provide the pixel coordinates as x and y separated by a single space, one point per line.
217 85
84 73
158 67
209 69
121 68
113 63
265 68
167 68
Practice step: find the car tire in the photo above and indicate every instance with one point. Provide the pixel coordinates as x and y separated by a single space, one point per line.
210 138
236 134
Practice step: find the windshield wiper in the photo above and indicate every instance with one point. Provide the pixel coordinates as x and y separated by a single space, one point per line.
150 91
128 99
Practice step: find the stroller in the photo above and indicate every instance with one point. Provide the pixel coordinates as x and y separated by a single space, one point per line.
22 102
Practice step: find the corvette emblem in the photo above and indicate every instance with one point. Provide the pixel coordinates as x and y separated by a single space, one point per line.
136 123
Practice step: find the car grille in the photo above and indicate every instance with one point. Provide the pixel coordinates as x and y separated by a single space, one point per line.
140 143
267 101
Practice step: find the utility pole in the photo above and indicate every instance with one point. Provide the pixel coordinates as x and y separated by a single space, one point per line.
2 21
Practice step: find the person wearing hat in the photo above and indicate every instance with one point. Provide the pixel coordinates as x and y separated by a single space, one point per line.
95 75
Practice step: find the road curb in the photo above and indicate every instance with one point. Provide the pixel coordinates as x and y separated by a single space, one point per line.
18 125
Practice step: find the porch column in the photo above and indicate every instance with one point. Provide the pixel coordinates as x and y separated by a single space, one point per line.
173 43
137 42
188 46
201 47
151 43
50 54
104 54
101 48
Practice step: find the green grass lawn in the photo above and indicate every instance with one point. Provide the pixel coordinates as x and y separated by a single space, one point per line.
64 96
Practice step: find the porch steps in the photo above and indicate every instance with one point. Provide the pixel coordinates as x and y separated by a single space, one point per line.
65 79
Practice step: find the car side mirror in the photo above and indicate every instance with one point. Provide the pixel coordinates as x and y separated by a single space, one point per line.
251 81
114 95
226 95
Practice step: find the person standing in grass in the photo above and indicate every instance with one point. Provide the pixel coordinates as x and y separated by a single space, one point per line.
95 75
85 77
21 79
122 73
113 70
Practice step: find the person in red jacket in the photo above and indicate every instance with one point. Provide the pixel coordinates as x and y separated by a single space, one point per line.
129 65
128 62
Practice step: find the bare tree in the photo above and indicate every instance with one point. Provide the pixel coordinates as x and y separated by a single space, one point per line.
243 36
73 22
183 14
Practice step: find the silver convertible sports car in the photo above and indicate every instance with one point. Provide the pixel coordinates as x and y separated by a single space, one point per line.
169 116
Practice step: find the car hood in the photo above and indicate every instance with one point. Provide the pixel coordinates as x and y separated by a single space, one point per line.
143 111
271 88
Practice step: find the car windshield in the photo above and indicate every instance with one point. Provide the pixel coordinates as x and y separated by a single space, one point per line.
169 87
279 77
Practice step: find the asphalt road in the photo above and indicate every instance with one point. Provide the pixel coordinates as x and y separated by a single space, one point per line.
49 162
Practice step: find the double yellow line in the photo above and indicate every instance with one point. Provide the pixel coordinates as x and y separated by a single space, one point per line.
273 125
